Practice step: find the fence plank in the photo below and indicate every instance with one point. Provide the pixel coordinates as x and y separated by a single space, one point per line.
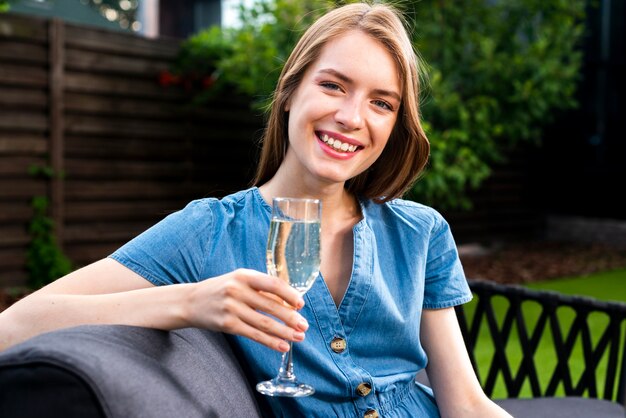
13 235
132 148
128 189
12 143
98 62
18 167
101 232
20 27
83 254
23 121
134 128
21 189
15 213
123 86
121 170
22 52
114 107
23 98
23 75
116 42
106 210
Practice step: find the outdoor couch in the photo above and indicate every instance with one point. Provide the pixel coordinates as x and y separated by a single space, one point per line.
123 371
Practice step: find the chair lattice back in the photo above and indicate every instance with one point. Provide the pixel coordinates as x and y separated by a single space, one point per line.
579 342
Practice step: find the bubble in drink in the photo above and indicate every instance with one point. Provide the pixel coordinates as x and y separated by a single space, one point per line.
293 252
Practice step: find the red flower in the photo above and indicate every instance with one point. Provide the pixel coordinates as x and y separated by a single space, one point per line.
167 79
208 81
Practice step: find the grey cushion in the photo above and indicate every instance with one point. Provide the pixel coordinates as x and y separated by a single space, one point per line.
141 372
565 407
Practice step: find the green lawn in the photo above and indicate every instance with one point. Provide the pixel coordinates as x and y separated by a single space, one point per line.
604 286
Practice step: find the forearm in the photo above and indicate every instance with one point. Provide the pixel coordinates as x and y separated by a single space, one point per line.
477 406
457 390
153 307
106 292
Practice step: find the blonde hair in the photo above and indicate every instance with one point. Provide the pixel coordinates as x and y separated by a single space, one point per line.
407 150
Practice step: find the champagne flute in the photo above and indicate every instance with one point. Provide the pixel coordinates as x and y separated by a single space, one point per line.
293 254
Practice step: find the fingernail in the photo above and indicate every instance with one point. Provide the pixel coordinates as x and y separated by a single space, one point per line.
303 324
283 346
298 336
300 303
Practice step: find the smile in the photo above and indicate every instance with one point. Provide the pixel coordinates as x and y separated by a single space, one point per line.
337 145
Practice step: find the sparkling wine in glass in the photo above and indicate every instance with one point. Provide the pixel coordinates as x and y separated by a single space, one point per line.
293 254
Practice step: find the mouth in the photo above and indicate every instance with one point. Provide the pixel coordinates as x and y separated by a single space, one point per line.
338 145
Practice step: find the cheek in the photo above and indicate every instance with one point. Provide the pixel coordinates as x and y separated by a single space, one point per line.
384 131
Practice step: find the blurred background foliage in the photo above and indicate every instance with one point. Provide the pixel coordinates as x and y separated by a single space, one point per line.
498 70
497 73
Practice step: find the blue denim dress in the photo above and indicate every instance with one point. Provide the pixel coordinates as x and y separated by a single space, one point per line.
405 260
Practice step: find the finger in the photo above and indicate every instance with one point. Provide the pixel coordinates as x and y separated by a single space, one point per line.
262 338
258 327
272 305
270 326
263 301
271 284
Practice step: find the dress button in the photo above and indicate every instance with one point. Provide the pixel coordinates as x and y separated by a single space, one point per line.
364 389
372 413
338 345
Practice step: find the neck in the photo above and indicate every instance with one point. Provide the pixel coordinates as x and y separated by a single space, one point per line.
338 205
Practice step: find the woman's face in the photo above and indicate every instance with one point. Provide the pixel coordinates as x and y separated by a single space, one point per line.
342 113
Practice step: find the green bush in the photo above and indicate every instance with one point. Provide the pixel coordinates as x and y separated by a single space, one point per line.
45 261
498 70
4 5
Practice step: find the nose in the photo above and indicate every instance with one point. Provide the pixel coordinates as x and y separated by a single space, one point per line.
350 114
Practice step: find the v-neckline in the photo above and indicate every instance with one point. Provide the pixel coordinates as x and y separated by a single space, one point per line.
346 315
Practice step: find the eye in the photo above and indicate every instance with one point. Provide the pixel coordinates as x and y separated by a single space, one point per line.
329 85
382 104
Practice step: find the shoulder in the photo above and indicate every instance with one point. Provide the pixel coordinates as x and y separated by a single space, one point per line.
405 212
233 202
207 214
248 202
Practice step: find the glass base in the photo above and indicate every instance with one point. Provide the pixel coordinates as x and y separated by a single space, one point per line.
280 387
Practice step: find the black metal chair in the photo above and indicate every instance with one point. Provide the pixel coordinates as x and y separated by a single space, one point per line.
599 349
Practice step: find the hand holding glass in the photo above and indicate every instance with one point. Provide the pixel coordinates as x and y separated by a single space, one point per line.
293 254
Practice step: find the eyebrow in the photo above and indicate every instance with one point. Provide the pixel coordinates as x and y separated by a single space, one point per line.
347 79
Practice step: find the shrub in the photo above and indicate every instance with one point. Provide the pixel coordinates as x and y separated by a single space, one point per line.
45 261
497 69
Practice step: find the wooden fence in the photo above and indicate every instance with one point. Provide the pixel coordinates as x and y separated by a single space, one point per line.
505 207
87 103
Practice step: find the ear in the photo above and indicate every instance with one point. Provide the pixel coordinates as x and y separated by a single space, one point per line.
288 105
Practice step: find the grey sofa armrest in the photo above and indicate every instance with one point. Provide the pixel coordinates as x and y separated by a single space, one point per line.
140 372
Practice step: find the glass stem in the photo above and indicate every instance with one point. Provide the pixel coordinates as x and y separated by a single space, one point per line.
286 368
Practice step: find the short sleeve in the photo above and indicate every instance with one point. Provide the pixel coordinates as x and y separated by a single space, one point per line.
173 250
446 284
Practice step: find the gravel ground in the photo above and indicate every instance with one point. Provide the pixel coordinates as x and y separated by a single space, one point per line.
539 261
507 263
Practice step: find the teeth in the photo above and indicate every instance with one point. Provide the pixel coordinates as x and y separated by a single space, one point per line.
338 145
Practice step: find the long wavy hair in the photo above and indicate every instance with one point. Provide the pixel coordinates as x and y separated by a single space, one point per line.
407 150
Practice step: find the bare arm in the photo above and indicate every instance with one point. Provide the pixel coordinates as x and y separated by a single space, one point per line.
457 390
106 292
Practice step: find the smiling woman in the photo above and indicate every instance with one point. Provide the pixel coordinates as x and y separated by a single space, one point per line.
343 129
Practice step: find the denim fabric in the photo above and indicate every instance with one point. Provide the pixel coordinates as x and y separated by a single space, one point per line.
405 260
